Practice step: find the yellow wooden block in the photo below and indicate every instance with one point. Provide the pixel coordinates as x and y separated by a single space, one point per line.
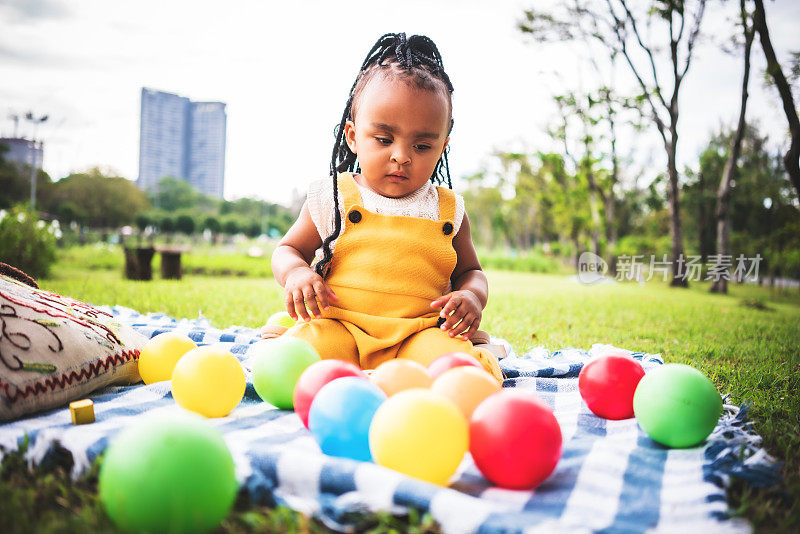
82 412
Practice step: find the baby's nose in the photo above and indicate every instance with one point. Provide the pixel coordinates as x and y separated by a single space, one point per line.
400 157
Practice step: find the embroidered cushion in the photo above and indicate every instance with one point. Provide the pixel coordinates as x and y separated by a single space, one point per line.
54 349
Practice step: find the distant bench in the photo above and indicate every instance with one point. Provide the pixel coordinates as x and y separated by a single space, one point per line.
138 262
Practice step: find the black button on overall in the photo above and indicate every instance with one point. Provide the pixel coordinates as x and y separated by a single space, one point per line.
355 216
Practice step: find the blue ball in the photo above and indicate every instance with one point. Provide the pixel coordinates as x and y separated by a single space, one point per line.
341 414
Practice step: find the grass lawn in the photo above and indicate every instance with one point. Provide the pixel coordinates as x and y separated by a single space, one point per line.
747 342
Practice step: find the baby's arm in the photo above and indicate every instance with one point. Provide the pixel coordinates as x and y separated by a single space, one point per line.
464 305
290 266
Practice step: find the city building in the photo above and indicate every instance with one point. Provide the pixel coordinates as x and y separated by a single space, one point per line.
23 152
182 139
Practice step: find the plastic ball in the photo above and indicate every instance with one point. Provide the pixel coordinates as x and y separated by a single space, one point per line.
281 318
158 357
447 361
168 473
515 439
607 384
208 380
466 387
341 414
677 405
398 375
314 377
277 365
421 434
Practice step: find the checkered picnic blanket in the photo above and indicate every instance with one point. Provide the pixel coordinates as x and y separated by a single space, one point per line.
611 478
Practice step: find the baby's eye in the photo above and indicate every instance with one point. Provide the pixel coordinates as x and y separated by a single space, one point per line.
383 140
422 147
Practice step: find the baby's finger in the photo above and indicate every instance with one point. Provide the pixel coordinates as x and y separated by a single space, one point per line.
311 301
300 306
469 332
441 301
453 319
331 294
289 304
451 306
322 294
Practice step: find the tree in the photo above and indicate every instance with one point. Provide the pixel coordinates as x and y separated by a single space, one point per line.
212 224
762 202
720 284
791 160
618 27
15 182
103 200
230 227
185 224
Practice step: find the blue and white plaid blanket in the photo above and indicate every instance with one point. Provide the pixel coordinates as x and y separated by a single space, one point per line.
611 478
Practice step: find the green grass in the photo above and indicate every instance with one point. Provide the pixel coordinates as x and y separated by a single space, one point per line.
748 342
230 260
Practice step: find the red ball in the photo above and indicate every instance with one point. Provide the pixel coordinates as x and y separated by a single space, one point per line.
515 439
447 361
314 377
607 385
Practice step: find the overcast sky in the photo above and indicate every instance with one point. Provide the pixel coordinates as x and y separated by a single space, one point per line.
284 69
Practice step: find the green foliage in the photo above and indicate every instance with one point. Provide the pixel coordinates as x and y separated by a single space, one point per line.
96 199
26 242
202 261
184 224
15 182
763 210
166 224
173 194
532 261
212 224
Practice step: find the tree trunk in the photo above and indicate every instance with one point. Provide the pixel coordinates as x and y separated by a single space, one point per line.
701 216
791 160
595 221
720 285
673 200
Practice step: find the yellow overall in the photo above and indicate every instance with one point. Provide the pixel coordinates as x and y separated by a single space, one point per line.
386 270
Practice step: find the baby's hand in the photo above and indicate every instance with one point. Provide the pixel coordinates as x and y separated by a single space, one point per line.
304 287
462 311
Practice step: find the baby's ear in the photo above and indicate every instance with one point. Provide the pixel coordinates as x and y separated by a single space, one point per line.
444 146
350 135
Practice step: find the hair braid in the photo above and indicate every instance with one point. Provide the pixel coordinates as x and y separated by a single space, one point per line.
417 57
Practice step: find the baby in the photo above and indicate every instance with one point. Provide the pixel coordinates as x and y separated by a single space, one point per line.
396 275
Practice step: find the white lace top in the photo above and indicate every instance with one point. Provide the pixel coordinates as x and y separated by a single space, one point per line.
424 203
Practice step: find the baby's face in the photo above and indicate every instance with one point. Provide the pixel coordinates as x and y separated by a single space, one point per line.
399 135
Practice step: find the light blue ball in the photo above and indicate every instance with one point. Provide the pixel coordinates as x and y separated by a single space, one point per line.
341 414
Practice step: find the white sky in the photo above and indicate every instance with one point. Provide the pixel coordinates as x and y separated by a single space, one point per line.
284 69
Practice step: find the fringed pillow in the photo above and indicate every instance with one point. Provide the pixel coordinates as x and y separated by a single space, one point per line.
54 349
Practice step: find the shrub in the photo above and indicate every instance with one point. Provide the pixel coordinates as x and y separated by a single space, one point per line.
26 242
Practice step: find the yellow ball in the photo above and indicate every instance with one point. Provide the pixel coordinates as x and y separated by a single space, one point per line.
421 434
158 357
209 381
466 387
398 375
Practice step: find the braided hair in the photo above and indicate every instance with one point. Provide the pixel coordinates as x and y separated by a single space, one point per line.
415 60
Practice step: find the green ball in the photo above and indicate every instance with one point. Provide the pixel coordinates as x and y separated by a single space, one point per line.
277 365
677 405
281 318
170 472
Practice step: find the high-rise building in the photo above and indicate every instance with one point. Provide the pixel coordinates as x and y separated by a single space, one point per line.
182 139
23 152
